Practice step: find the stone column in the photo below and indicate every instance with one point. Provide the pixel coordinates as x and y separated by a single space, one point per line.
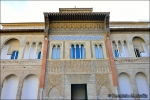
131 50
29 50
21 52
36 51
104 51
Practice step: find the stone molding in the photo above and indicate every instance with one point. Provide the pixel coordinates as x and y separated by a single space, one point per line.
21 62
132 60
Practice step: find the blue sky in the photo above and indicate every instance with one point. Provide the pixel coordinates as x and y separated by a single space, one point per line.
32 11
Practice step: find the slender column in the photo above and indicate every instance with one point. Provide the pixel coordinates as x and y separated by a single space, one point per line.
118 49
98 51
56 52
80 51
75 51
29 49
112 64
43 67
123 49
36 51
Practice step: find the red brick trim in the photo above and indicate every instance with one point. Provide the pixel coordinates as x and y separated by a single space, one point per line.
43 68
112 64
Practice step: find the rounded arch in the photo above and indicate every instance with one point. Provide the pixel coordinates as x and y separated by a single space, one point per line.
123 72
125 84
6 40
30 87
54 93
141 73
10 87
141 37
30 75
142 83
8 76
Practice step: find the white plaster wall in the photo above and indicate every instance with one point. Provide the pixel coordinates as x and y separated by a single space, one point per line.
126 51
145 53
26 52
4 52
142 84
125 84
54 94
33 51
30 87
10 87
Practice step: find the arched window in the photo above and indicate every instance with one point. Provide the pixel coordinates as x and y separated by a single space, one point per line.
14 55
98 51
116 53
10 49
39 55
77 52
56 52
140 47
82 52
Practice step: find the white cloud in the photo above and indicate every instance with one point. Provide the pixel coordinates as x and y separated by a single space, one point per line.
32 11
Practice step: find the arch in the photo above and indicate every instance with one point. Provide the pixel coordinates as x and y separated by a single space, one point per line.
10 45
3 43
10 87
26 50
142 84
103 93
82 51
58 52
125 84
30 87
54 51
54 93
72 52
140 47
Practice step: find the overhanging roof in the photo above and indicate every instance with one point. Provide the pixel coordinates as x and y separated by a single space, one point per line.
93 16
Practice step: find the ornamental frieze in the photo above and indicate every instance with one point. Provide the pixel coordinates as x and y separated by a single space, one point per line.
21 62
76 37
76 25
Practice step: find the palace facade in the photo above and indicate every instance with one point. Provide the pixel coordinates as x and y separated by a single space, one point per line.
75 54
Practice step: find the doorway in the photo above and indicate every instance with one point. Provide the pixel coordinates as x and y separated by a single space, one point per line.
79 91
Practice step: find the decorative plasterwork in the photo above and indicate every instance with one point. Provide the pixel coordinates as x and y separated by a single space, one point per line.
76 30
102 66
102 80
78 78
54 80
118 37
76 37
132 60
21 62
36 39
78 66
54 66
56 44
76 25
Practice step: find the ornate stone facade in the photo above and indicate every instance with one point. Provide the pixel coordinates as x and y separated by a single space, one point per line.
101 76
